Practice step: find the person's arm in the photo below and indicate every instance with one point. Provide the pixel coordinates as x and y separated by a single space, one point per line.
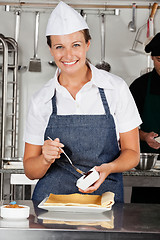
129 158
149 139
37 159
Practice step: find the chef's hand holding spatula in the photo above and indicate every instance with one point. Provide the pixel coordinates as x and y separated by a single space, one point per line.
51 150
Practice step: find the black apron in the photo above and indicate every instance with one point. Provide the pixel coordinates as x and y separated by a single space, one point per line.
151 122
150 117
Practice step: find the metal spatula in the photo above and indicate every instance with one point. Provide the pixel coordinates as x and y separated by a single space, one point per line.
35 63
70 161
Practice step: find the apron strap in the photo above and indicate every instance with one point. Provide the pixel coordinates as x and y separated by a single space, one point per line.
104 101
54 106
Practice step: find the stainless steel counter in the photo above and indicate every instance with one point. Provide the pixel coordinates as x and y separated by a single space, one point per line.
150 178
124 221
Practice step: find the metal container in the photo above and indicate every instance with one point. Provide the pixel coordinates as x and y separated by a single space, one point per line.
147 161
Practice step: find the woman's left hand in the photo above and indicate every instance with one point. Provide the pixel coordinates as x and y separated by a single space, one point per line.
104 171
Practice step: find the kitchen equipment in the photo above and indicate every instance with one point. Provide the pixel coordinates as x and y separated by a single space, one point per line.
15 213
103 65
77 169
147 161
150 26
144 33
131 25
150 35
16 35
18 15
9 99
11 163
83 14
35 63
52 63
73 209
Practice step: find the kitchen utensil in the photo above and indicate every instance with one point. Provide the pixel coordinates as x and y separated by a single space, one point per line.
147 161
150 35
131 25
103 65
83 14
70 161
35 63
52 63
150 28
16 36
18 15
144 33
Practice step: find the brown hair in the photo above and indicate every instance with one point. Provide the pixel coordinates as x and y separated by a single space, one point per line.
85 32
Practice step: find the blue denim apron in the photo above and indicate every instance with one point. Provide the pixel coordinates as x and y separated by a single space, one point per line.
89 140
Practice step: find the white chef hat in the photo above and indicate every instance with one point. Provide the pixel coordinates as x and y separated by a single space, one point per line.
65 20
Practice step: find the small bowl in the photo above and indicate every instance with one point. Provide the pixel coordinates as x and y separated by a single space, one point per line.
147 161
15 213
14 223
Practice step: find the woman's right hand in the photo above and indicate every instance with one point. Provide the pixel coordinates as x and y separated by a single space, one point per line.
51 151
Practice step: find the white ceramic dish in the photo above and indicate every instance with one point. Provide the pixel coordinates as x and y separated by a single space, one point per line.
78 209
74 216
15 213
11 223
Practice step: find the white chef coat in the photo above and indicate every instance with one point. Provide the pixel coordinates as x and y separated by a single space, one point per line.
88 101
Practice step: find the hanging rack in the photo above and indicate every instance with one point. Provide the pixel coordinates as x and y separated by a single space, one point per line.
77 6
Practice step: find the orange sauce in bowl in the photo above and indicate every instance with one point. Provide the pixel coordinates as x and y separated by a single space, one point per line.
13 206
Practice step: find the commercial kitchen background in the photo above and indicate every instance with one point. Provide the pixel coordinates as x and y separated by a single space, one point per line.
118 43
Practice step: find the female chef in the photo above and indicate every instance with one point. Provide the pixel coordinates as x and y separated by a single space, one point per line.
88 112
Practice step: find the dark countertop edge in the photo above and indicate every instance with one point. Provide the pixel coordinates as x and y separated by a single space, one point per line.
151 173
132 172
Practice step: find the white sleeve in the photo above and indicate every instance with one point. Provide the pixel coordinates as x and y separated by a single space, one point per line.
35 124
127 114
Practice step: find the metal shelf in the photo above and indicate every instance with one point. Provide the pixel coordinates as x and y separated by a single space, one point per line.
9 101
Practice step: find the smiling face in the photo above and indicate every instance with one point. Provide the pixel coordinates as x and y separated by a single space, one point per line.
156 60
69 51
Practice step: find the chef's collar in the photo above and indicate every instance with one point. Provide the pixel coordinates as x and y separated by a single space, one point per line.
100 78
